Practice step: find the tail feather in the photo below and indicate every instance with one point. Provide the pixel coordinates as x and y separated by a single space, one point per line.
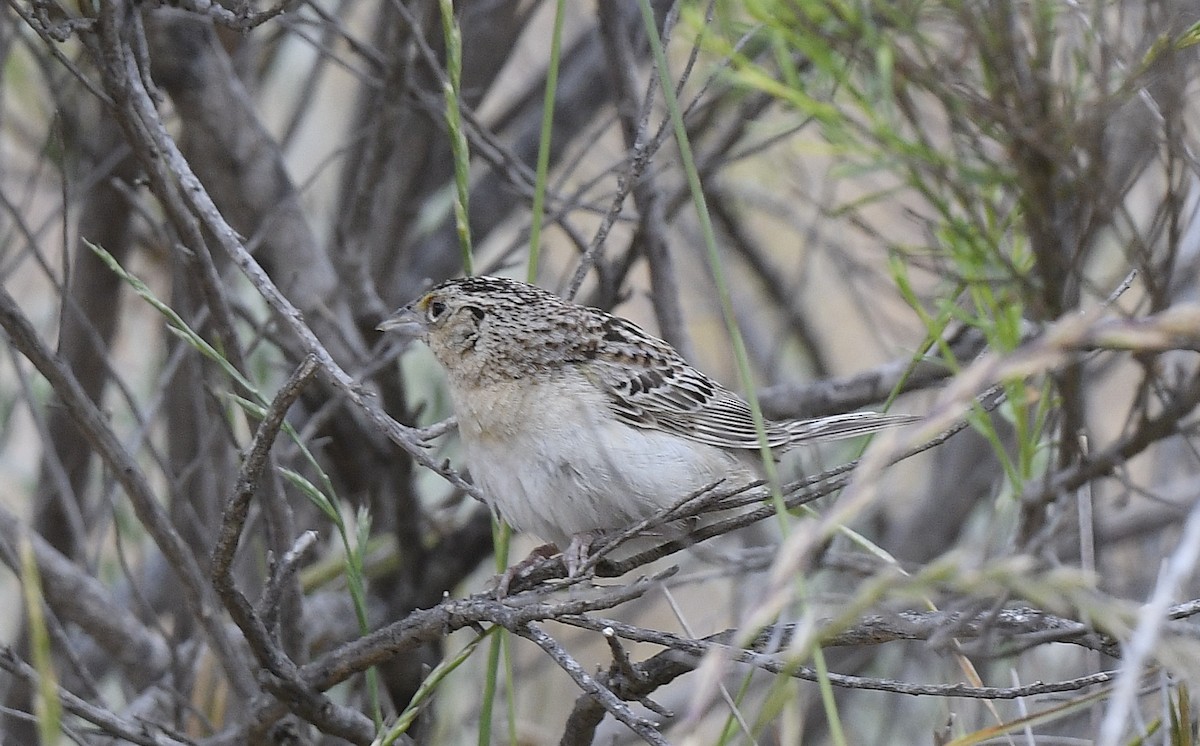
841 426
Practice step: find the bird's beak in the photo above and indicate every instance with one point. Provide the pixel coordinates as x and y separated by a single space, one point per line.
406 322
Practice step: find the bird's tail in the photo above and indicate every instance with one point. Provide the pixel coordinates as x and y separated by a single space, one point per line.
840 426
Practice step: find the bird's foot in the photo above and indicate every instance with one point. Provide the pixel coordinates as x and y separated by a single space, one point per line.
545 551
575 556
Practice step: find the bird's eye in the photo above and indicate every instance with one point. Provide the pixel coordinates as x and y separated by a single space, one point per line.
435 310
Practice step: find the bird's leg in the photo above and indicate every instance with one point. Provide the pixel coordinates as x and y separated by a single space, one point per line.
539 553
575 556
576 553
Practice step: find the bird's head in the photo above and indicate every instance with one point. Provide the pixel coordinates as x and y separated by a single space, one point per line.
489 325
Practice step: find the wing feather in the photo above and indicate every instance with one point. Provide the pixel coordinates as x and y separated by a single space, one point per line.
650 385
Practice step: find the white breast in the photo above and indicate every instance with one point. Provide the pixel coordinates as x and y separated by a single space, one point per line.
557 464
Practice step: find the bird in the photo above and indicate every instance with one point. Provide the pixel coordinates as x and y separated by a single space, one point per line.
576 423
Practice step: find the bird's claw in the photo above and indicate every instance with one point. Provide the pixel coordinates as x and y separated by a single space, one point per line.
506 578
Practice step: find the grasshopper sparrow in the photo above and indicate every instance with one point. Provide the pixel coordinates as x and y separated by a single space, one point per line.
576 422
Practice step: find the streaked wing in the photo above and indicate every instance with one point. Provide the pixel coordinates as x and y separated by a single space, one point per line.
651 386
689 404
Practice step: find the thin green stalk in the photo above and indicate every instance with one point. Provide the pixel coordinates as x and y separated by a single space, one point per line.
46 703
543 159
510 688
324 497
459 149
501 538
461 153
741 356
356 579
405 719
732 722
489 692
828 701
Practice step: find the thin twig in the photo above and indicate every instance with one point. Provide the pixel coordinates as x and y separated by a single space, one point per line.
124 467
282 572
684 654
234 517
645 729
304 701
142 733
1175 570
148 134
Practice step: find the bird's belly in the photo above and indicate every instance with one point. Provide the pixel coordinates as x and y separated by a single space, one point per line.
559 472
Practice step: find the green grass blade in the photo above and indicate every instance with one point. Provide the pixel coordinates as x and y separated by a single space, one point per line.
459 148
543 159
405 719
46 704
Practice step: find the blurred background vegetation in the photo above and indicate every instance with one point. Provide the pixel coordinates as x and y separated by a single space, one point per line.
986 212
